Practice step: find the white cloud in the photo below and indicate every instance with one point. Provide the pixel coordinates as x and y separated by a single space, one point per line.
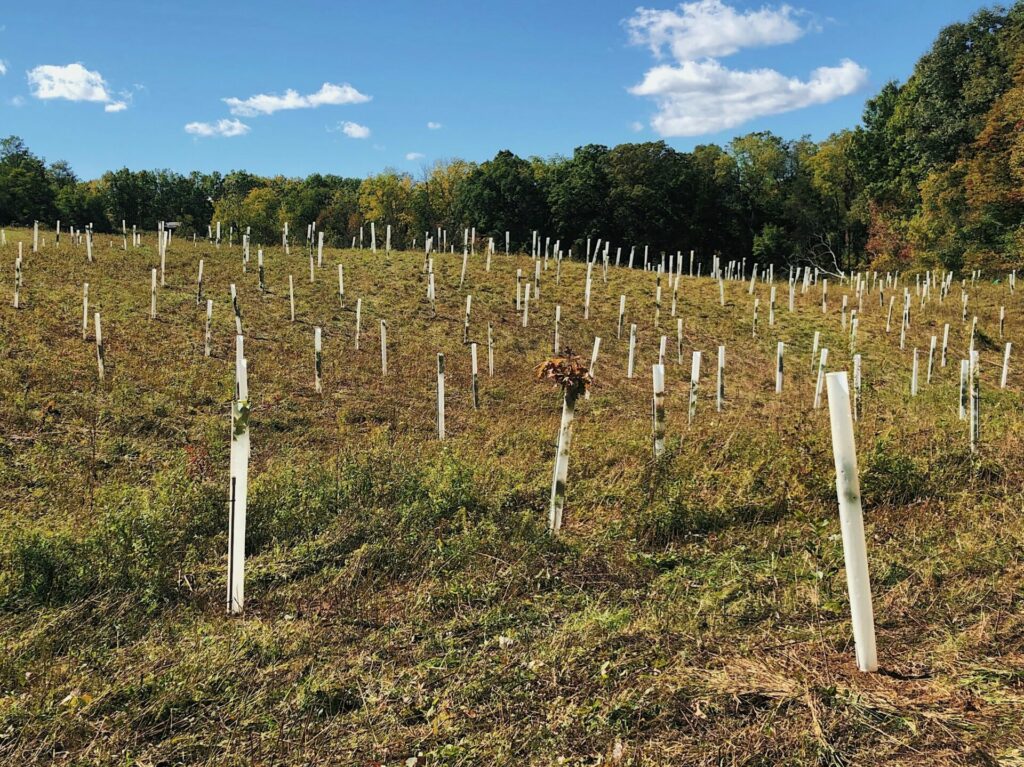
355 130
224 128
709 28
268 103
73 82
636 126
433 125
697 94
414 156
3 67
18 101
703 96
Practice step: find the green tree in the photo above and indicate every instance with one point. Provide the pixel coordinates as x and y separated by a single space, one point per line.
261 211
26 193
386 199
649 195
503 195
578 196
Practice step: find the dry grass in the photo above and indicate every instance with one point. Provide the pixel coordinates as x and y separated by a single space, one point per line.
404 599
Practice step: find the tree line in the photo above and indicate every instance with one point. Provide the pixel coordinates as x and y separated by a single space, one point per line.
934 175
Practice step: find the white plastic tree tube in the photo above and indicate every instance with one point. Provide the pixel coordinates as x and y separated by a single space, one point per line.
318 361
100 352
694 383
561 472
558 326
856 387
851 520
586 292
720 388
913 375
490 350
383 347
440 396
779 351
658 380
964 364
239 487
199 285
359 319
657 303
632 350
85 310
207 335
237 310
1006 365
475 372
622 316
821 378
152 295
593 361
975 427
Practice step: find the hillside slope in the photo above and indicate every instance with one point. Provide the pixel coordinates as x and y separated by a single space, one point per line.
406 604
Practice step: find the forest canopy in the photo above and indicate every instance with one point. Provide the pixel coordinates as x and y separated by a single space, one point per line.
933 175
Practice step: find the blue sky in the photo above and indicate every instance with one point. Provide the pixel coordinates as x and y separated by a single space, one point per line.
202 86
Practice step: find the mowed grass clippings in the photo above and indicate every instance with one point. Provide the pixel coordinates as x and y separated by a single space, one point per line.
404 599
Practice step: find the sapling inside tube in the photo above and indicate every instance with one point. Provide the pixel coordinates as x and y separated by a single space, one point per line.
571 374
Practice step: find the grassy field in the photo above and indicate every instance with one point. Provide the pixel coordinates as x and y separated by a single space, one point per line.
405 603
